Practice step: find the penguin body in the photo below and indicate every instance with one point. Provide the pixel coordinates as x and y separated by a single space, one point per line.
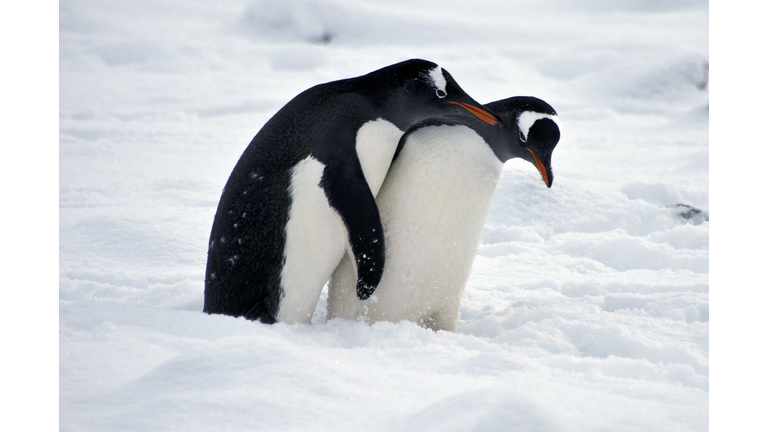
302 193
433 206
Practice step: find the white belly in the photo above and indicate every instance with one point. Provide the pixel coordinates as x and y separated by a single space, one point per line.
314 244
433 206
316 238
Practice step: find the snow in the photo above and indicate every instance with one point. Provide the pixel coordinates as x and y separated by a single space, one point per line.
588 304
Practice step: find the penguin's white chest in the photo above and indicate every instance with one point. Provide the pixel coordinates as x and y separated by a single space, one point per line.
376 143
433 206
316 237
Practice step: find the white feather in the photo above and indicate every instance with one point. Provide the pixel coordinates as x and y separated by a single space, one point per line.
376 142
433 205
528 118
437 77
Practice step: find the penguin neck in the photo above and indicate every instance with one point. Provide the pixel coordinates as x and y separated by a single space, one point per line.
503 140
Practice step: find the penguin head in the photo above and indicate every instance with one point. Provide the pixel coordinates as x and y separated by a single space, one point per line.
419 89
531 132
448 92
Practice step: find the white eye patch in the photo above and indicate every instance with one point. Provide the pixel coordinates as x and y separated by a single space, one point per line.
438 79
528 118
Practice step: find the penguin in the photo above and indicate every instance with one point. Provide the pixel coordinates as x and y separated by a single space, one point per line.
433 206
302 193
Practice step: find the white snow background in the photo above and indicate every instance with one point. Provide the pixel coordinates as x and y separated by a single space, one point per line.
588 304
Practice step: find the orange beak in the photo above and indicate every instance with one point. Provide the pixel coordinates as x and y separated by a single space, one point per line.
541 168
480 113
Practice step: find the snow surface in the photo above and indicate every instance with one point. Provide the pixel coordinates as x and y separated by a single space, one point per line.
588 304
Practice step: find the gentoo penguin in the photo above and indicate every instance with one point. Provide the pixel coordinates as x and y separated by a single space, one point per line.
433 206
303 191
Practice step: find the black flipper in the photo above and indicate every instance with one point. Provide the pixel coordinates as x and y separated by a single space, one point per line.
348 193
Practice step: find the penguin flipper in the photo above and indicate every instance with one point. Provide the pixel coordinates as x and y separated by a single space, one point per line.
350 196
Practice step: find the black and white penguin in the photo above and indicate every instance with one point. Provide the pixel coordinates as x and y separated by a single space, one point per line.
433 205
303 191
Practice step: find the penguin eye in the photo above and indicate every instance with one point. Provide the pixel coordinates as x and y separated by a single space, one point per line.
522 137
441 93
